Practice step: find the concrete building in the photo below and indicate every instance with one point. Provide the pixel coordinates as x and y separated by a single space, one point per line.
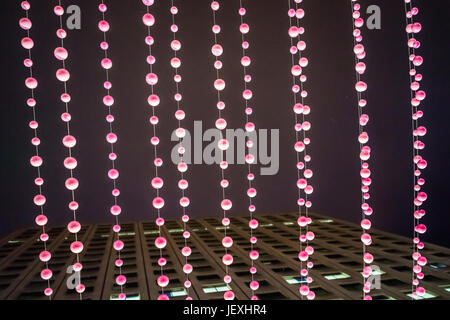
336 273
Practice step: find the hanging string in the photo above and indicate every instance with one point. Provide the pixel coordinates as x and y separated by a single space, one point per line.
417 96
363 138
247 95
223 145
111 139
157 183
69 141
36 161
180 132
301 126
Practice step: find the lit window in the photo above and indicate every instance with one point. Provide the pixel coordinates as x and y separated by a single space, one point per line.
136 296
326 221
126 234
176 230
214 288
294 279
14 241
151 232
177 292
337 276
446 287
427 295
266 225
438 265
288 223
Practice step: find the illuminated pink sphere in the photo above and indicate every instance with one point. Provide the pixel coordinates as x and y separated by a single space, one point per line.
46 274
148 19
227 242
163 281
118 245
229 295
74 227
226 204
62 75
76 247
121 280
45 256
158 202
25 23
160 242
227 259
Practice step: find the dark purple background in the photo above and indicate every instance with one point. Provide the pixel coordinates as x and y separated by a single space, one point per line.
334 147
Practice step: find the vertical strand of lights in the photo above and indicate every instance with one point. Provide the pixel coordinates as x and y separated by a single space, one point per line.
301 126
363 138
301 111
247 94
157 183
417 96
36 160
69 141
111 139
180 132
223 144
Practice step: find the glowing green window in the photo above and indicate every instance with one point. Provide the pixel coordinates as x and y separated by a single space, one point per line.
337 276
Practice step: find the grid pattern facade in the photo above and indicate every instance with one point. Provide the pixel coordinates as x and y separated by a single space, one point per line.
336 273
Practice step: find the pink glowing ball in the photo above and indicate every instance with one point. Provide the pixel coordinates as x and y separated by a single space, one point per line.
227 259
63 75
361 86
182 167
118 263
215 5
148 19
153 100
227 279
217 50
27 43
254 255
115 210
118 245
76 247
304 290
187 268
80 288
244 28
36 161
48 292
39 200
225 222
121 280
219 84
368 258
45 256
31 83
46 274
159 221
160 242
72 184
186 251
254 285
74 227
163 281
227 242
44 237
25 5
226 204
25 23
103 26
247 94
229 295
303 256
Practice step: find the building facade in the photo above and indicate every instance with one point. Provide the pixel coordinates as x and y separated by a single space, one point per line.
336 273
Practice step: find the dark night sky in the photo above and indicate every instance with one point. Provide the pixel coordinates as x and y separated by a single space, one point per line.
334 147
